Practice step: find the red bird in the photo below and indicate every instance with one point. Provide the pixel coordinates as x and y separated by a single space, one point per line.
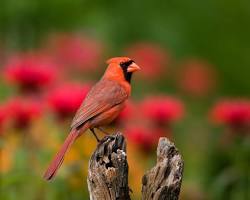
101 106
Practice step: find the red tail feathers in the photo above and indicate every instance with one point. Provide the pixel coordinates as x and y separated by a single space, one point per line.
58 159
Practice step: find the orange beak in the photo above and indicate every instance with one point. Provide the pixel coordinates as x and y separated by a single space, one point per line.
133 68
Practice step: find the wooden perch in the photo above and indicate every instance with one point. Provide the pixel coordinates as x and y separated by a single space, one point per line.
164 180
108 172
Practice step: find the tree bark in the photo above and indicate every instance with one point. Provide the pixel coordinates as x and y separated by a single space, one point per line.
163 181
108 172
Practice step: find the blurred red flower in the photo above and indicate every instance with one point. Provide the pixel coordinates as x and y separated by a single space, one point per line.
196 77
144 138
234 113
23 111
3 117
77 51
152 58
66 99
30 72
162 109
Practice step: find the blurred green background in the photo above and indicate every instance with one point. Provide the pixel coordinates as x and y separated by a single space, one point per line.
214 32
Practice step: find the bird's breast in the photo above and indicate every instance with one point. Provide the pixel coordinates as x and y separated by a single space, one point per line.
126 86
108 116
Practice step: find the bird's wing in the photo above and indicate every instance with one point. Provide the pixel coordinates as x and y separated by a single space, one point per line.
103 96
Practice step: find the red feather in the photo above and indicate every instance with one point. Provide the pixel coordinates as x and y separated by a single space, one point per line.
59 157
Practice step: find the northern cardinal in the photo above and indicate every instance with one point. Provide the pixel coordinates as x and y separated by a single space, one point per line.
101 106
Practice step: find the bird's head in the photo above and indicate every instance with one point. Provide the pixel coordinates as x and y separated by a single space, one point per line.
122 67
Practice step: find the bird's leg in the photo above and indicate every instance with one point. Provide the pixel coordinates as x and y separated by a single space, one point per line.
102 130
93 131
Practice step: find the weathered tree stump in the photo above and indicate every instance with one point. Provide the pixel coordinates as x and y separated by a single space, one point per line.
163 181
108 172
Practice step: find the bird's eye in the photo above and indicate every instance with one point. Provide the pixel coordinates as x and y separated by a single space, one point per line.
126 64
123 65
